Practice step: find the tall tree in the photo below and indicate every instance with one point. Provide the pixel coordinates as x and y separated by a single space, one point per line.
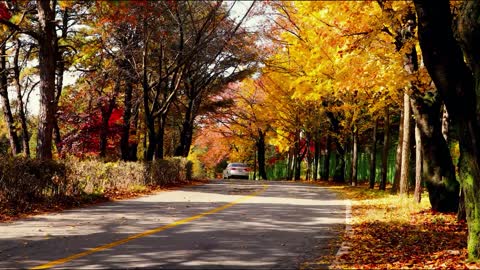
444 60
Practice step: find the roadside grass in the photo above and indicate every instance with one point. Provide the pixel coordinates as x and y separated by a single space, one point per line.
395 232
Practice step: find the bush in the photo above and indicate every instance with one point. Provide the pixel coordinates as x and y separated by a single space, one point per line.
26 181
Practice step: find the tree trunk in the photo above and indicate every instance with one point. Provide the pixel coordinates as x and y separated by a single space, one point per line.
133 147
386 145
127 115
316 158
445 123
398 156
418 165
160 154
354 158
47 64
262 172
107 110
339 174
326 161
7 111
186 133
373 156
438 169
290 165
445 63
21 105
405 146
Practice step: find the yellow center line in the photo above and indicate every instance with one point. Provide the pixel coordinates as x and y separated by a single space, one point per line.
147 233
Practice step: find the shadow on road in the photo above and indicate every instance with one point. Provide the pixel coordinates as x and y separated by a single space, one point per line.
284 226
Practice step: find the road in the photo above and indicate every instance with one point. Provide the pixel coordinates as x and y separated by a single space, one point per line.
228 224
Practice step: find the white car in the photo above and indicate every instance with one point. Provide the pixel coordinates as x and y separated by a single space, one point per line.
236 170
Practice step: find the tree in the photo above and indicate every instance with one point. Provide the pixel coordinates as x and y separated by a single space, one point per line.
444 60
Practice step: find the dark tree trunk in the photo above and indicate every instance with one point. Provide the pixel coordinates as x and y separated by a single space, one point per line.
58 93
107 110
127 115
133 147
152 140
386 146
7 111
438 169
261 155
316 158
159 153
373 157
290 165
326 161
47 63
339 173
186 133
297 161
445 62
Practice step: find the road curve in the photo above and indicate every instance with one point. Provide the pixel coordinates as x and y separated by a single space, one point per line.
229 224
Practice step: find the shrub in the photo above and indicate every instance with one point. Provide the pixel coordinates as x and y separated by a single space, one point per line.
26 181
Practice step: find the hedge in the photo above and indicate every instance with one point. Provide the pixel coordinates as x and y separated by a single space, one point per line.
26 181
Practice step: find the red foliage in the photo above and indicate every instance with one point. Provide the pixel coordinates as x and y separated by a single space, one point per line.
84 137
4 13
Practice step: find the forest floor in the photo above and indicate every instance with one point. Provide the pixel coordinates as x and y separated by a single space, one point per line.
395 232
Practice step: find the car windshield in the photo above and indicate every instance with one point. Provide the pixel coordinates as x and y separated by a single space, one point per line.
238 165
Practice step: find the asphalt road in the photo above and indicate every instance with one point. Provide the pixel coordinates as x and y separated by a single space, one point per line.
228 224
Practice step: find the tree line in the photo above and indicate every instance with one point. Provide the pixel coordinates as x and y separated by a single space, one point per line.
345 76
144 70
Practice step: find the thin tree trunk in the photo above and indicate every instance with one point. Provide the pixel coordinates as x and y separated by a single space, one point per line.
326 161
354 158
107 111
133 147
316 158
386 146
160 152
290 165
405 146
7 111
127 115
373 156
445 124
21 105
418 165
398 156
339 174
